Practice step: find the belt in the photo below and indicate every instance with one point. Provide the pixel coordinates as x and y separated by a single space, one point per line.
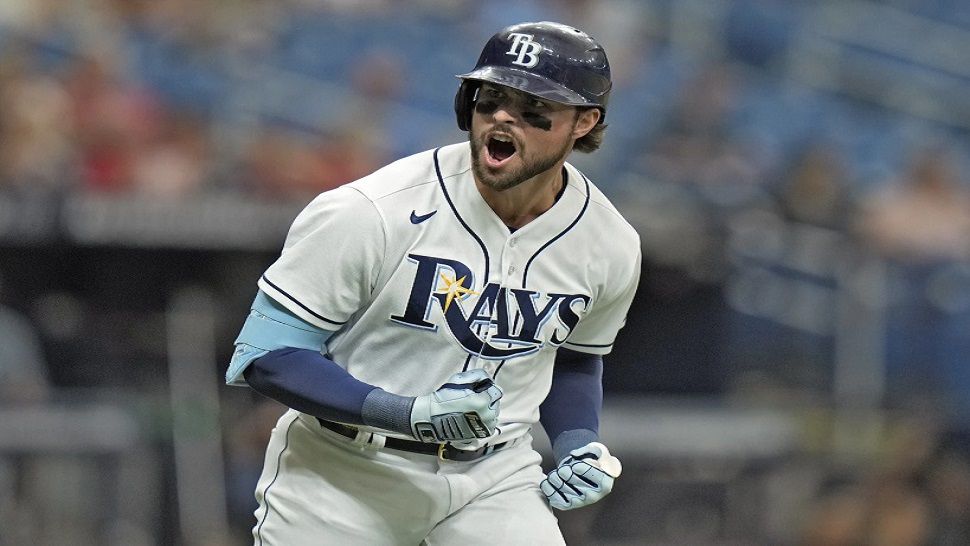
446 452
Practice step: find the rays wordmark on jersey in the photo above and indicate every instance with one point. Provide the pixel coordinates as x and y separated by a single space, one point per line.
516 318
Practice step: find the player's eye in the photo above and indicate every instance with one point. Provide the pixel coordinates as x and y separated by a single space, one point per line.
492 93
537 104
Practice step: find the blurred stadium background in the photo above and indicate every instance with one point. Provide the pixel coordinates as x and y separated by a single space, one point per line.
795 367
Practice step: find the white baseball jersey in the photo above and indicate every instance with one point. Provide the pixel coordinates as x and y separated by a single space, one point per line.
420 279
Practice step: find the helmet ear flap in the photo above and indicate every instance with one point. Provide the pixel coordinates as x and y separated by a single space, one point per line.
464 102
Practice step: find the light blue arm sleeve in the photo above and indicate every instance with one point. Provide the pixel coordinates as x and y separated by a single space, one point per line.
268 327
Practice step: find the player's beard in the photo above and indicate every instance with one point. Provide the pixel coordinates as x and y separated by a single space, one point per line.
513 176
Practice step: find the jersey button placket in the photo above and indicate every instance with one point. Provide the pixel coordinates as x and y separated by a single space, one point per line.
508 258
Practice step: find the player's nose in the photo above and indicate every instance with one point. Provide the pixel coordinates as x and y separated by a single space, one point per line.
506 113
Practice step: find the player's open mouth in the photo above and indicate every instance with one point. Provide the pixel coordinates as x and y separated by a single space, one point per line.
499 149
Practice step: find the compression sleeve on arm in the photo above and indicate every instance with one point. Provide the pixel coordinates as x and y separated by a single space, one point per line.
280 356
309 382
570 413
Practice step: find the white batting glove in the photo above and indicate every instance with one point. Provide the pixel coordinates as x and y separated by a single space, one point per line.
582 478
464 408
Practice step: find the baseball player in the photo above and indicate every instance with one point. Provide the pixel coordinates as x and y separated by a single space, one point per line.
421 320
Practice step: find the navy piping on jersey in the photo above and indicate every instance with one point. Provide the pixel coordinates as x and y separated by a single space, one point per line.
589 345
304 307
444 190
441 182
525 274
279 464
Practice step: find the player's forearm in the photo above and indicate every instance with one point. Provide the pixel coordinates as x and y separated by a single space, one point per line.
309 382
570 413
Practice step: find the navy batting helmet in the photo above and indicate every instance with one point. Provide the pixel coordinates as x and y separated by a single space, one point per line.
552 61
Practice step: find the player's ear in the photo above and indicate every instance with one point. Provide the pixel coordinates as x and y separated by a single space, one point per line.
586 119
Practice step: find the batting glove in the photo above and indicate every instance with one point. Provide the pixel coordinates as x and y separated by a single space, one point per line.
582 478
465 408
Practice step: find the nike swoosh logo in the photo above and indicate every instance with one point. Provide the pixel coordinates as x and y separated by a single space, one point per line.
415 219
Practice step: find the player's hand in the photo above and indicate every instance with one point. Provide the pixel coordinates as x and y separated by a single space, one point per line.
582 478
464 408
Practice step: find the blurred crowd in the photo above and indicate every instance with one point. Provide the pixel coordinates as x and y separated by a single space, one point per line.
822 221
286 99
916 491
82 114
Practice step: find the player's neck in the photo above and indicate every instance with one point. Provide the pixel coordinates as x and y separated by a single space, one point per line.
522 204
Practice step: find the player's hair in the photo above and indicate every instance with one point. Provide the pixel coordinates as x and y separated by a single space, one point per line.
591 141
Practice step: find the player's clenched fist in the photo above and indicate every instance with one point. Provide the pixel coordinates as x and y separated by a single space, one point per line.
582 478
464 408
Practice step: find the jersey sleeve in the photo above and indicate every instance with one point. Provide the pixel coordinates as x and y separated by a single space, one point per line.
331 259
597 329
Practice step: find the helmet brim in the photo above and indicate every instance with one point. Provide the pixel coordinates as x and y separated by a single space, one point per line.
528 82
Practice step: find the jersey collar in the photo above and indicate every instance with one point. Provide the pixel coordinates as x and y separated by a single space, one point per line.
456 182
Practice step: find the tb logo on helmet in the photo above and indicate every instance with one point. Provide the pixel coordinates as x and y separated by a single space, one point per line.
525 50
